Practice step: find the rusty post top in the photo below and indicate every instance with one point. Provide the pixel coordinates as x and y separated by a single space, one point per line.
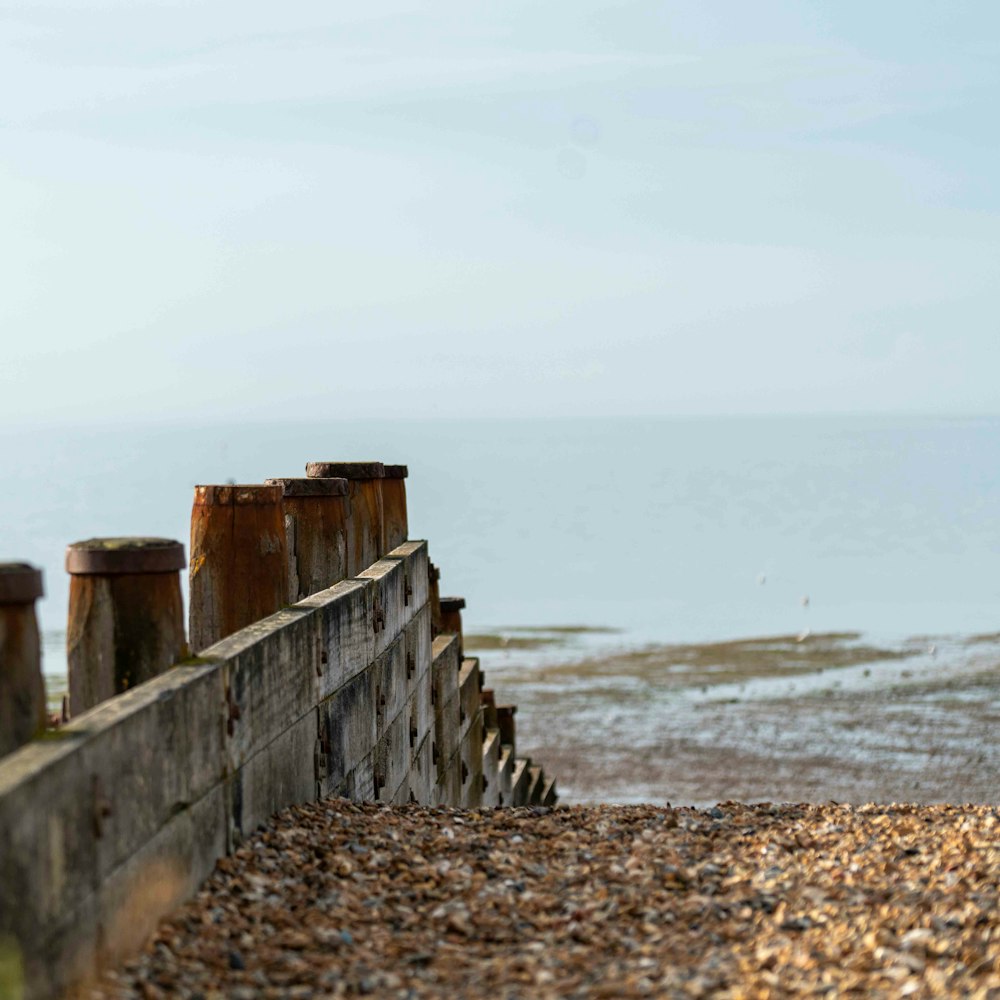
232 494
335 487
433 573
20 583
345 470
108 556
452 603
396 471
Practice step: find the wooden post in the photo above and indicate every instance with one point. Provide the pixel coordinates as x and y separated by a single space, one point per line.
22 688
126 620
451 617
364 538
507 726
488 701
239 559
316 524
434 598
395 528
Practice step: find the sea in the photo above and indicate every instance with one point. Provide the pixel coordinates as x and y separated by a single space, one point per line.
625 534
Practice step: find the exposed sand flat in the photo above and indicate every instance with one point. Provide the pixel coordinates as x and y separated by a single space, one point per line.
336 899
826 716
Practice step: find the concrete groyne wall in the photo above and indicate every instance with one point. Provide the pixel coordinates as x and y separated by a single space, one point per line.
111 820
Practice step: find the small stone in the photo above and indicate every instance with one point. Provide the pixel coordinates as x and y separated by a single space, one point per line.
613 901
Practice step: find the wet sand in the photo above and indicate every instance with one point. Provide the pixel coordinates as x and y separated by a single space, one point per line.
826 717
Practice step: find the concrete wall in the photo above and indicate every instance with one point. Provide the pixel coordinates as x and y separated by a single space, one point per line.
116 818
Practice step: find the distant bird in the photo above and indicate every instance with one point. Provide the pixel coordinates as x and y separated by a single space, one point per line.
803 635
762 579
932 649
805 600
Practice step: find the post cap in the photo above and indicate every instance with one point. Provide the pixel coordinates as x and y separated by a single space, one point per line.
345 470
335 487
20 583
452 603
396 471
433 573
232 494
108 556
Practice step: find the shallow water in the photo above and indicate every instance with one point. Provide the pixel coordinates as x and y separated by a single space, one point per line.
912 723
675 535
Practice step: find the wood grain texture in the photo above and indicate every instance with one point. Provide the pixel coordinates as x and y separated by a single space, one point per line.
318 529
395 530
491 768
451 623
364 539
434 598
123 629
239 559
22 689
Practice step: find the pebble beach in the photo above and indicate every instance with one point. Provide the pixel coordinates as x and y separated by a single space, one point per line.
337 899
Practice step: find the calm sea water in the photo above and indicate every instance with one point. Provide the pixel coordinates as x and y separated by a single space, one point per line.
673 530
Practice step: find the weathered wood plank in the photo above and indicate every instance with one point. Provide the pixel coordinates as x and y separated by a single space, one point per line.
491 768
279 775
422 778
415 568
347 729
469 701
154 881
110 782
536 782
445 703
549 795
271 671
391 687
389 609
505 775
520 782
346 634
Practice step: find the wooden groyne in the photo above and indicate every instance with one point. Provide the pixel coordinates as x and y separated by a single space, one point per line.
359 689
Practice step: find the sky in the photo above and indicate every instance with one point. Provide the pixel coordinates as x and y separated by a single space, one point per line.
248 210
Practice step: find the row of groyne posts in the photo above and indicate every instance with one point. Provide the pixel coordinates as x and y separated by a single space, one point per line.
325 662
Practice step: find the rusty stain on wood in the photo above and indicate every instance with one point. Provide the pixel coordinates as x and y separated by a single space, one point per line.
365 532
317 526
451 617
239 559
395 528
22 688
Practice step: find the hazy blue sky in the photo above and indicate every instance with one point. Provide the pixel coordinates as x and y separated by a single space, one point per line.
320 209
